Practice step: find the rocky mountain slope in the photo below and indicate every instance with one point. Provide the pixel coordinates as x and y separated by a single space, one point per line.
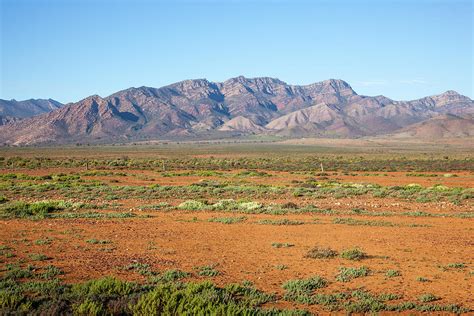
442 126
13 110
238 106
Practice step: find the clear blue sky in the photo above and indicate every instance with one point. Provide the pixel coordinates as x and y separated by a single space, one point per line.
70 49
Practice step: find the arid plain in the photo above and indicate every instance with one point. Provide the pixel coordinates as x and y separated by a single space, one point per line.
313 226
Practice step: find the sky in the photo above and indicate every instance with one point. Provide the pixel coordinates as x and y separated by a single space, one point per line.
70 49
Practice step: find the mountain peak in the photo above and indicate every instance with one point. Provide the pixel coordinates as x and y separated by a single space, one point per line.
91 98
331 82
331 86
450 96
241 79
337 83
451 92
261 80
191 84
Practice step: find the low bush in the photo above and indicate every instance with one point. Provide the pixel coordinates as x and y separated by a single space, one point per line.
348 274
358 222
51 272
353 254
321 253
228 220
456 265
97 241
392 273
169 276
89 308
279 222
140 268
300 290
191 299
35 209
105 287
425 298
38 257
192 205
208 271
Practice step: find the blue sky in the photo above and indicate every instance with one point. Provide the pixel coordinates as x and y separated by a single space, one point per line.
69 49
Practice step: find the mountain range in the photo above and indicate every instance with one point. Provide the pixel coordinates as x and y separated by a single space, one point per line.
200 109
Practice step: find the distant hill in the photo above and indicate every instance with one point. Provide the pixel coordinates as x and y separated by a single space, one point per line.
442 126
199 109
12 110
241 124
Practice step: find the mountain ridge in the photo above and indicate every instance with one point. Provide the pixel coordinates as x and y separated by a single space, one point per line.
13 110
235 107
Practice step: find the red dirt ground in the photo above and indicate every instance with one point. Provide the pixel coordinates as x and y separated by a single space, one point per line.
244 251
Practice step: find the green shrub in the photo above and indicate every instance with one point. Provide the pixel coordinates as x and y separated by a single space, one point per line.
449 175
191 299
425 298
208 271
392 273
388 297
89 308
248 294
140 268
289 205
251 173
50 272
38 257
353 254
37 210
154 207
97 241
348 274
456 265
223 205
279 222
299 290
357 222
192 205
227 220
46 241
170 276
15 272
13 301
249 206
49 288
25 210
105 287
